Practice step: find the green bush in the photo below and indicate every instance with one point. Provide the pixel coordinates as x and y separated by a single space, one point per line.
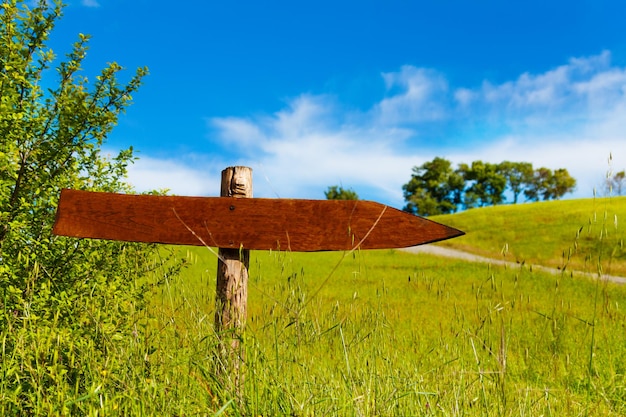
64 303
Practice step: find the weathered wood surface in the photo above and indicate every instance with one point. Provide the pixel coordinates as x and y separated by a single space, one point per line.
231 290
245 223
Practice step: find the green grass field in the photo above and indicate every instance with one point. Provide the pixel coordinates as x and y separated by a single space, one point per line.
392 333
387 332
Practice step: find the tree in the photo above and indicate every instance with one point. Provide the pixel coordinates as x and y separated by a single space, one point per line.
79 293
539 184
561 183
487 184
517 175
548 185
434 188
339 193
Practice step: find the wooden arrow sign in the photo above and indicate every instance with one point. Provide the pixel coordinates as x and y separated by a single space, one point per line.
246 223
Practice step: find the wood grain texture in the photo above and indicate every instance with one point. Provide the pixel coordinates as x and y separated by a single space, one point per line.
231 290
248 223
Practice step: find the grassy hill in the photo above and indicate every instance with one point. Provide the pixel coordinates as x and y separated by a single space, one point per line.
576 234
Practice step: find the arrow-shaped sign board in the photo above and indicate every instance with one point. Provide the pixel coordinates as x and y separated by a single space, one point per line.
244 223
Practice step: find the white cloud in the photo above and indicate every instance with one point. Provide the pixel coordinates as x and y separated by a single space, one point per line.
583 86
303 149
90 3
569 117
421 96
585 157
151 173
464 96
238 132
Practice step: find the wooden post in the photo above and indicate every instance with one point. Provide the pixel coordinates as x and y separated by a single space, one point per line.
231 296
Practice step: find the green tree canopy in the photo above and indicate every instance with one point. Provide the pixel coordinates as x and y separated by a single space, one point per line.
435 188
517 175
337 192
561 183
548 185
539 184
486 184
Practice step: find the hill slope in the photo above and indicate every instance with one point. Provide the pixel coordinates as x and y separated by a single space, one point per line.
575 234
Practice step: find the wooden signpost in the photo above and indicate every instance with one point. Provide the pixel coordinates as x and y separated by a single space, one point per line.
237 223
248 223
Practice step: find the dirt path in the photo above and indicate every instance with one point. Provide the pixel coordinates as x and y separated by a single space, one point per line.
466 256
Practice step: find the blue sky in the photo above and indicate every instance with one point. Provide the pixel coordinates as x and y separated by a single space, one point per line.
356 93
